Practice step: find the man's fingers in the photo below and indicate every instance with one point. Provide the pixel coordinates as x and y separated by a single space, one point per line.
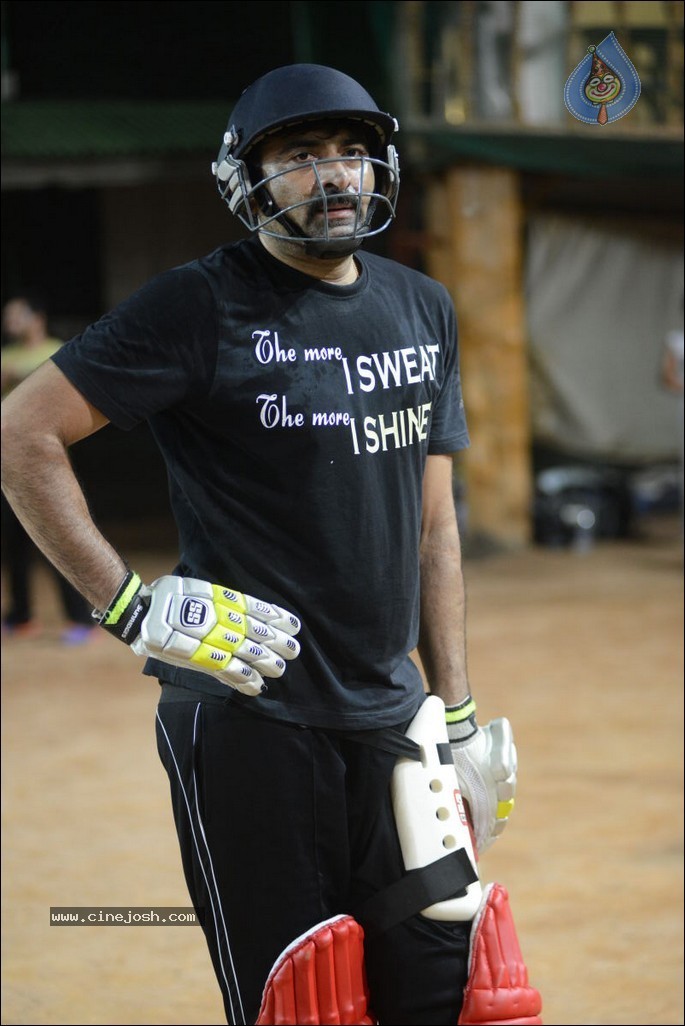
272 637
242 677
273 615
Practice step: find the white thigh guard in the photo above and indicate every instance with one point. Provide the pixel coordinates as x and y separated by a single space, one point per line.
429 811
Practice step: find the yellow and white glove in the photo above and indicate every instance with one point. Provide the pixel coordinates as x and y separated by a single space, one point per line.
205 627
486 762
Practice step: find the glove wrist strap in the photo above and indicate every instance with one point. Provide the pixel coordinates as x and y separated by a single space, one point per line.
124 616
461 720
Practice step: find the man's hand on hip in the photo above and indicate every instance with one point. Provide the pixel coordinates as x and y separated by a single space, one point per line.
234 637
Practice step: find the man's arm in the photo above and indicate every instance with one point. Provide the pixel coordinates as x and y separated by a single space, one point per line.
484 757
41 418
182 621
442 642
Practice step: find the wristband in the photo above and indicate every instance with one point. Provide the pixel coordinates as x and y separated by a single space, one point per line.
125 614
461 720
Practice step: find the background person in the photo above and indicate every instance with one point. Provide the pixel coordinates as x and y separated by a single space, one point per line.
28 345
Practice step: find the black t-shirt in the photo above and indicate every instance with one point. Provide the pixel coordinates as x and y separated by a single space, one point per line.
294 418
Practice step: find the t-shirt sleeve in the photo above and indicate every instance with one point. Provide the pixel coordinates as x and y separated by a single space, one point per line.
155 350
449 431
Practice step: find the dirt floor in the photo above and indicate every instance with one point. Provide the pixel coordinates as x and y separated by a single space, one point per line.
583 652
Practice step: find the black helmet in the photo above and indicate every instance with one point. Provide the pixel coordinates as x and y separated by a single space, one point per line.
289 96
302 92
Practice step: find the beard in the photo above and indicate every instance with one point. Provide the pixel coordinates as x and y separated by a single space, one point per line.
347 202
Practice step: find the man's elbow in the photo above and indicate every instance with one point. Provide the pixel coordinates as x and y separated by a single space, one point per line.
8 433
22 442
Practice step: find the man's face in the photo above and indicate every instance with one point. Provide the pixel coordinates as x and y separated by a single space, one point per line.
344 175
17 319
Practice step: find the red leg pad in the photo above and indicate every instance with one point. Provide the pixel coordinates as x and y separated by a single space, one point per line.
498 992
319 979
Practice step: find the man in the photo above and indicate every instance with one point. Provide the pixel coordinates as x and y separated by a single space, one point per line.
25 327
306 399
28 342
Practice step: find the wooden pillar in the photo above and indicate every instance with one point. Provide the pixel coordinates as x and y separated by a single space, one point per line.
475 228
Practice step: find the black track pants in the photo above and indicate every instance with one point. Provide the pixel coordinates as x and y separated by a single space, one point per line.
281 827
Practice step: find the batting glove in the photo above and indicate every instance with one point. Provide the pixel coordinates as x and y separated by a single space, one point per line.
486 763
205 627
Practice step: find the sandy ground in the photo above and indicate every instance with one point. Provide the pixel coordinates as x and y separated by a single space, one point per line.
583 652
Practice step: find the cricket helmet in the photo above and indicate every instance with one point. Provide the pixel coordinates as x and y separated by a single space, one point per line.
286 97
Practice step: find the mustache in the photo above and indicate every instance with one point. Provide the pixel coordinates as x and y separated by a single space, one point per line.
335 198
